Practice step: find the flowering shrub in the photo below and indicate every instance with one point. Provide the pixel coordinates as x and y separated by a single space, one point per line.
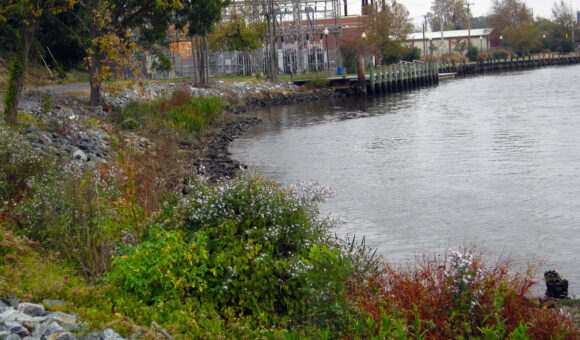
268 255
82 215
461 273
18 163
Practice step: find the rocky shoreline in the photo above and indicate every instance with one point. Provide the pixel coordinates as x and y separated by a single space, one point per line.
73 139
215 158
29 321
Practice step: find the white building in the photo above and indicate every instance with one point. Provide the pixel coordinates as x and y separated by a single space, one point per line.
452 41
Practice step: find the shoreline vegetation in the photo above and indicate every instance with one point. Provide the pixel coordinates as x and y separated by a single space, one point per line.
145 230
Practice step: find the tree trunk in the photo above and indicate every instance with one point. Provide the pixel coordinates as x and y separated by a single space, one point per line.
193 61
93 61
95 85
273 59
252 63
200 62
17 71
206 56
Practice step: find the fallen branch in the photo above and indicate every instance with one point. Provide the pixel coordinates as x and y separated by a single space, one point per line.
161 330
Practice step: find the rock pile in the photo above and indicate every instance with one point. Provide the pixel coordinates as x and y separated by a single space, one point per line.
33 322
556 286
150 91
215 157
90 146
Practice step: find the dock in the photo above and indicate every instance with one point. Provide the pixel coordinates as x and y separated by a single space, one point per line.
405 76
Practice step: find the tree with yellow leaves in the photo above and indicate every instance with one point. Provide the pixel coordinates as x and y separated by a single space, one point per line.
27 13
387 24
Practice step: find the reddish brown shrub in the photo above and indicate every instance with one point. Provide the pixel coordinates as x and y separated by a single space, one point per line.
425 289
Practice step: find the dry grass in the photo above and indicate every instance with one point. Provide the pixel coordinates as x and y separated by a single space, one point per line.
78 94
454 57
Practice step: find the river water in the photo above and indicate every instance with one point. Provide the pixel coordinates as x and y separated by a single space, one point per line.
491 161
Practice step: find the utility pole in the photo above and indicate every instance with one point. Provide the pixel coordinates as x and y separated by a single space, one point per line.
573 26
442 39
424 42
469 23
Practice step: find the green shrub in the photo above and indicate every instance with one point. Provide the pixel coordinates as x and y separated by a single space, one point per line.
472 53
179 111
134 111
167 267
129 124
268 255
411 54
197 114
46 103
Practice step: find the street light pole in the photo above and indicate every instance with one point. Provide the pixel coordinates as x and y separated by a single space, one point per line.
480 44
327 58
360 67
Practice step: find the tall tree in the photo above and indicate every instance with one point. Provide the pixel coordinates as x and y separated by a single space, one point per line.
452 14
239 34
26 14
506 13
115 27
514 20
197 19
387 25
523 39
563 17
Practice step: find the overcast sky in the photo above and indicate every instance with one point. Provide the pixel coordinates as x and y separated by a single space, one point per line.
418 8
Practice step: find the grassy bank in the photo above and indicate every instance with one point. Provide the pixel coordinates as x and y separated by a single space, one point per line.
241 258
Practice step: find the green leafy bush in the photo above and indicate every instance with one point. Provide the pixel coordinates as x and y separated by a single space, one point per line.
135 112
268 255
178 111
167 267
129 124
411 54
197 114
472 53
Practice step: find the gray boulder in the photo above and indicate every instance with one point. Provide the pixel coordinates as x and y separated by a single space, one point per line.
12 301
44 139
66 321
14 315
31 309
109 334
79 155
47 328
16 328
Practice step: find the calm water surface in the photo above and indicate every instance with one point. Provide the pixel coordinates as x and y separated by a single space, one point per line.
492 161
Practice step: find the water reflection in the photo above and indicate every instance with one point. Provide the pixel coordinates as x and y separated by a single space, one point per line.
491 160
